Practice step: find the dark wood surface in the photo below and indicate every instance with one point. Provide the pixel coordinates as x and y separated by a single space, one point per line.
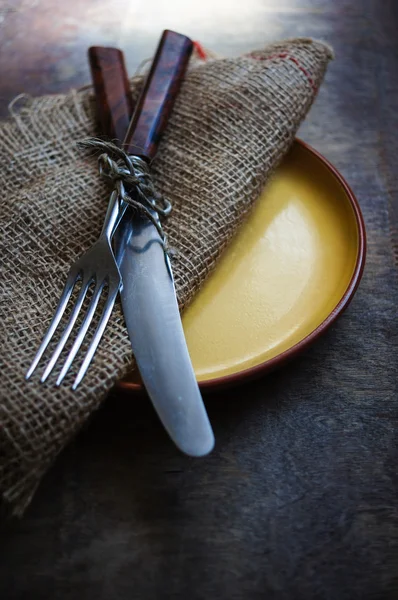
158 95
112 91
299 498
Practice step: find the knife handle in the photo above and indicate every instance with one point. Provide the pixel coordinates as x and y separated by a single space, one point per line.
112 91
158 95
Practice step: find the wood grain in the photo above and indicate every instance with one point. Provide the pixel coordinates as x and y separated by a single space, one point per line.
158 95
112 91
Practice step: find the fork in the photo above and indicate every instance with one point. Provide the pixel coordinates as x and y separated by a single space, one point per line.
98 264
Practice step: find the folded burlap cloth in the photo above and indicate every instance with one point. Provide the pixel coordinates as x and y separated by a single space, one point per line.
232 123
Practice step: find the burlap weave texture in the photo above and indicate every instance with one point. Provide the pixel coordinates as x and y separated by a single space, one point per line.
231 125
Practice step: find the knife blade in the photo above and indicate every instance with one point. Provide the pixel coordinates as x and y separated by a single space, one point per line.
148 293
157 337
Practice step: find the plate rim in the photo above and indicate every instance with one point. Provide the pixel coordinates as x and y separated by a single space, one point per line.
256 371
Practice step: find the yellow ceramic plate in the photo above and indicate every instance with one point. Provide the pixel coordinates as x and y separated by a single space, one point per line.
289 272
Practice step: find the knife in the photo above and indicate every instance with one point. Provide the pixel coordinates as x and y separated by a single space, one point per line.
148 294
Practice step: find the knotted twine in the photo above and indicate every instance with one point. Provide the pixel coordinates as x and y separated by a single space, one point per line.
231 125
131 179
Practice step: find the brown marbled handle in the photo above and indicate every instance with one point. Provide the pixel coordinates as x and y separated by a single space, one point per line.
112 91
157 98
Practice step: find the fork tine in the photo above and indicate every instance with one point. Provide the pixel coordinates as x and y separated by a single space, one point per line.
69 326
63 301
82 332
106 313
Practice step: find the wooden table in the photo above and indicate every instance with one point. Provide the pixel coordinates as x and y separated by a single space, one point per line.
299 499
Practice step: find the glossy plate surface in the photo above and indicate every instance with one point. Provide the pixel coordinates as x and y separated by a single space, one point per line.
290 271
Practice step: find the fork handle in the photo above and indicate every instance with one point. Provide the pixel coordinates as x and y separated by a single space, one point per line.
112 91
158 95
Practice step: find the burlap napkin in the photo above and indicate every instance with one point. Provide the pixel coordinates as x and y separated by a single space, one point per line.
231 125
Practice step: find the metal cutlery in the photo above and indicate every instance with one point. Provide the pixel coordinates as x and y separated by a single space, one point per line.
148 295
98 264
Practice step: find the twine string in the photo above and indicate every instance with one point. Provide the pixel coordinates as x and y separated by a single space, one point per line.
131 178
